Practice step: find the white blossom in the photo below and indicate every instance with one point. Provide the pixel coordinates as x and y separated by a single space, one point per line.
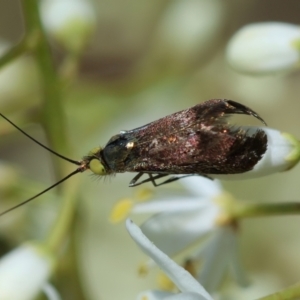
189 287
182 220
24 272
179 221
265 48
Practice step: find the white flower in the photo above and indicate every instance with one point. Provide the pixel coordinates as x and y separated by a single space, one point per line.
265 48
24 272
189 287
180 221
283 153
71 22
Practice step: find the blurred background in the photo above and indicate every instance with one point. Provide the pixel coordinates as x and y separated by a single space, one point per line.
143 60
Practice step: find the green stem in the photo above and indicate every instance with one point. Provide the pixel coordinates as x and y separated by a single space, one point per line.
52 115
291 293
61 229
13 53
246 210
28 43
53 120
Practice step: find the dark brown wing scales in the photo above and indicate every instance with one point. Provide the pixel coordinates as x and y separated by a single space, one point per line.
227 151
197 140
246 151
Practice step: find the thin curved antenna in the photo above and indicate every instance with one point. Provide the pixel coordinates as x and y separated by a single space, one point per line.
78 170
39 143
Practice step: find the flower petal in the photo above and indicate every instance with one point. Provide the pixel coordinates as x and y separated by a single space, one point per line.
276 158
50 292
236 267
218 255
182 279
174 231
214 258
202 186
170 204
160 295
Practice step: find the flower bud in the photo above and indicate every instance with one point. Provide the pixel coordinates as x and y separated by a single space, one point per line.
24 272
70 22
265 48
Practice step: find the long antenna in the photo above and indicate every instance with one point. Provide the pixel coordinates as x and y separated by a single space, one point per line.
39 143
78 170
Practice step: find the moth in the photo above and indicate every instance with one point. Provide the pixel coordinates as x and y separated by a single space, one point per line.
195 141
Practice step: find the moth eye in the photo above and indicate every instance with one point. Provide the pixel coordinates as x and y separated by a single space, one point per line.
97 167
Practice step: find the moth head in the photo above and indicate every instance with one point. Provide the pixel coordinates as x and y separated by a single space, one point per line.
94 162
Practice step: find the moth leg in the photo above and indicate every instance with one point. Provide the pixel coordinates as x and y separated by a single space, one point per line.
174 178
151 178
135 179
